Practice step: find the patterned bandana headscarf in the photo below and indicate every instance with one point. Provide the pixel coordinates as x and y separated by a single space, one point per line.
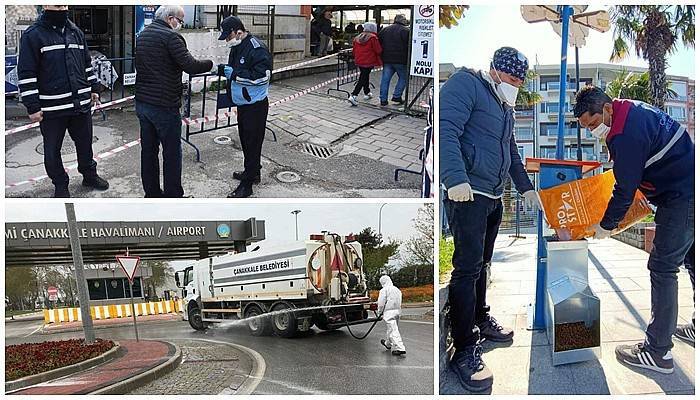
510 61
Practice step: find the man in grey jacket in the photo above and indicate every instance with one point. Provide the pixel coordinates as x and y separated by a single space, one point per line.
477 153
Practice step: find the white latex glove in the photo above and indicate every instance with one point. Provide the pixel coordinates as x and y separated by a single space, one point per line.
461 192
532 199
600 232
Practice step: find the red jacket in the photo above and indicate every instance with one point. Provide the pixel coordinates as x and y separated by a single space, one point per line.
368 52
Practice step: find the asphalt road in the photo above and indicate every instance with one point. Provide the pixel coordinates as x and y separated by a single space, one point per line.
319 363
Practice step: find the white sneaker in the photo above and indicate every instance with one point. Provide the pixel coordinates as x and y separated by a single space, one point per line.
352 100
368 96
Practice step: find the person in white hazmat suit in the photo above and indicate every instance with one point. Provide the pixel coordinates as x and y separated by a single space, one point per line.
389 305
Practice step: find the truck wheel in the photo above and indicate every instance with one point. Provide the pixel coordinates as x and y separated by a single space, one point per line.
194 316
258 326
284 324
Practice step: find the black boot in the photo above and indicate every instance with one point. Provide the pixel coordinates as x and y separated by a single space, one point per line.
61 192
96 182
238 175
492 330
473 374
244 189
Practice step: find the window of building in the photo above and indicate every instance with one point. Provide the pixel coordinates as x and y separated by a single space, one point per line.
681 91
676 112
112 288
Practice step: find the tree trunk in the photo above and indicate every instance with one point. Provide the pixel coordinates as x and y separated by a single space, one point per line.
656 54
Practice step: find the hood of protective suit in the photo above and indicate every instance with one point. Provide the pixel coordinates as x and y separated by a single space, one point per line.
385 281
389 302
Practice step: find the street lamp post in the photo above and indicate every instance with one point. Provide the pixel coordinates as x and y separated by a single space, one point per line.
296 223
380 220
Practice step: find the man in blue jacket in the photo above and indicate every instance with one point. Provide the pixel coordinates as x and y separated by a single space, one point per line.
58 87
477 153
653 153
248 72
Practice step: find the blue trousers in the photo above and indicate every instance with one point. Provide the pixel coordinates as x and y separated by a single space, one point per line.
388 73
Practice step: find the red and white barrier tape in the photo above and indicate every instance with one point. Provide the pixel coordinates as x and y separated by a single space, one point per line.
98 157
94 108
189 121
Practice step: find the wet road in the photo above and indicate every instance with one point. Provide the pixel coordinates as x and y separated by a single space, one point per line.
318 363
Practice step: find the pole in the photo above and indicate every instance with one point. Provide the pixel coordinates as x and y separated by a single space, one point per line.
565 17
81 283
380 220
579 151
296 224
133 311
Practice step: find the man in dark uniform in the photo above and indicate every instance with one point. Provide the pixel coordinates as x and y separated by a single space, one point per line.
248 72
58 87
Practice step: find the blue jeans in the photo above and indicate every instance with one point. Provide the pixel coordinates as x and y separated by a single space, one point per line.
474 226
160 126
674 239
387 74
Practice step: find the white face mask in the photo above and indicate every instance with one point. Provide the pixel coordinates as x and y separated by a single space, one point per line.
177 26
233 42
506 92
601 131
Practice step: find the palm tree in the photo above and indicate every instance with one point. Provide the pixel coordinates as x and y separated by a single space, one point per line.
655 32
449 15
527 98
630 85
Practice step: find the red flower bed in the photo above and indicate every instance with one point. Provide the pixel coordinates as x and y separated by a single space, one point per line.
32 358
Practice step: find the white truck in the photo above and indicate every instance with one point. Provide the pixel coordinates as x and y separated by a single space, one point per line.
320 281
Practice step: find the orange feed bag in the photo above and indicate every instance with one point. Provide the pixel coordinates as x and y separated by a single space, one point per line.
571 208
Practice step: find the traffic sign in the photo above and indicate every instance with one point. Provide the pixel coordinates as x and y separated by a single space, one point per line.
129 264
52 290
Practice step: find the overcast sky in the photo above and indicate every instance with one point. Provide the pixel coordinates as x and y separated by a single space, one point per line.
485 28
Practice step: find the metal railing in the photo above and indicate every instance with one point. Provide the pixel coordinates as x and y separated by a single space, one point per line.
346 72
212 87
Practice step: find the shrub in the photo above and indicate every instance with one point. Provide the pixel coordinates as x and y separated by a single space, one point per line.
410 294
446 250
33 358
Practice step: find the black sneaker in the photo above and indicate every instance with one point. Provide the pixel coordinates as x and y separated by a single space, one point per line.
637 356
397 100
686 333
238 175
243 190
383 103
398 352
473 374
383 342
61 192
96 183
492 330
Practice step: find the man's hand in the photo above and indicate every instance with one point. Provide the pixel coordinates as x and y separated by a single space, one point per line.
532 199
96 99
461 192
37 116
600 232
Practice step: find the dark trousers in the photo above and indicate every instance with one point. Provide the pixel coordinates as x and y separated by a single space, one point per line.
80 130
363 81
474 226
673 241
160 126
252 120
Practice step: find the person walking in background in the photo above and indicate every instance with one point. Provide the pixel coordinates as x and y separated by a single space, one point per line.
394 40
161 57
248 72
389 307
367 52
58 87
325 32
